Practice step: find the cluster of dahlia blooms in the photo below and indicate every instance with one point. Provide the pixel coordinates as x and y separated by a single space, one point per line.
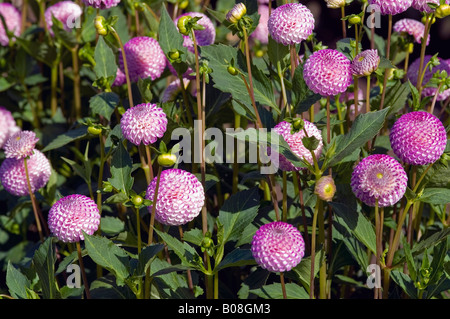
13 22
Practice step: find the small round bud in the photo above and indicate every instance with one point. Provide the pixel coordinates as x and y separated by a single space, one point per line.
137 200
167 159
325 188
298 124
174 55
236 13
425 18
94 130
232 70
99 23
259 53
183 4
182 24
443 11
354 20
411 48
335 4
207 242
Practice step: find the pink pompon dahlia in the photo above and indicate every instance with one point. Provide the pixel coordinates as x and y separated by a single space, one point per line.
180 197
418 138
13 176
391 7
327 72
145 58
365 63
204 37
412 27
291 23
101 4
296 144
144 123
422 5
325 188
68 12
8 125
120 78
20 144
261 33
379 177
413 71
71 215
278 246
13 22
173 89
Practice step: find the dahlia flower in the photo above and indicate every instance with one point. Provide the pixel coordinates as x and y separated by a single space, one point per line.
412 27
68 12
261 33
204 37
8 125
101 4
20 144
325 188
392 7
13 22
422 5
365 63
278 246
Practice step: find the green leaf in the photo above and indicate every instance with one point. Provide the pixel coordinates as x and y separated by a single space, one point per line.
410 260
303 269
396 97
436 196
146 256
187 254
169 38
108 255
273 291
437 265
356 223
104 104
44 262
237 258
277 52
16 282
107 288
302 98
194 236
5 84
105 60
112 225
67 138
219 57
365 127
39 50
121 168
405 282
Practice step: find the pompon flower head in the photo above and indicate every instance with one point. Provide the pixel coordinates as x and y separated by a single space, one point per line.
20 144
325 188
101 4
71 215
422 5
204 37
418 138
365 63
412 27
145 58
8 125
65 11
291 23
296 144
335 4
120 79
236 13
327 72
379 177
143 123
392 7
278 246
413 71
261 33
13 22
13 176
180 197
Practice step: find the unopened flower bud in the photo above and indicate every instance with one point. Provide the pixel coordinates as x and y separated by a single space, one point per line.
182 24
94 130
354 20
325 188
236 13
137 200
167 159
443 11
232 70
99 23
335 4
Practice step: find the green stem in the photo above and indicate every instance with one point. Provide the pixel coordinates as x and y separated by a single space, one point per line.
323 264
283 285
138 230
283 88
33 201
76 83
83 271
53 85
429 18
435 99
387 71
237 124
344 27
285 206
313 248
153 213
339 112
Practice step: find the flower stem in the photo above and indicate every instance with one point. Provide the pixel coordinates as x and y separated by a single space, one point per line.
428 18
431 110
237 124
83 271
33 201
283 285
388 53
53 85
313 248
76 83
285 206
152 216
125 66
344 27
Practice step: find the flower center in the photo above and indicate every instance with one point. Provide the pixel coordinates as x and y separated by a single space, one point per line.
361 58
380 175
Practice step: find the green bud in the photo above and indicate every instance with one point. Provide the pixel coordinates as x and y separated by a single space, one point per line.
182 24
232 70
425 18
167 159
94 130
236 13
354 20
207 242
443 11
174 55
183 4
99 23
137 200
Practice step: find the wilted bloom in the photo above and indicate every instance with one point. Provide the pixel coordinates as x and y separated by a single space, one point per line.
145 58
365 63
291 23
379 177
204 37
327 72
278 246
71 215
325 188
143 123
296 144
422 5
335 4
418 138
8 125
20 144
261 33
13 22
392 7
180 197
13 176
412 27
101 4
67 12
236 13
413 71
